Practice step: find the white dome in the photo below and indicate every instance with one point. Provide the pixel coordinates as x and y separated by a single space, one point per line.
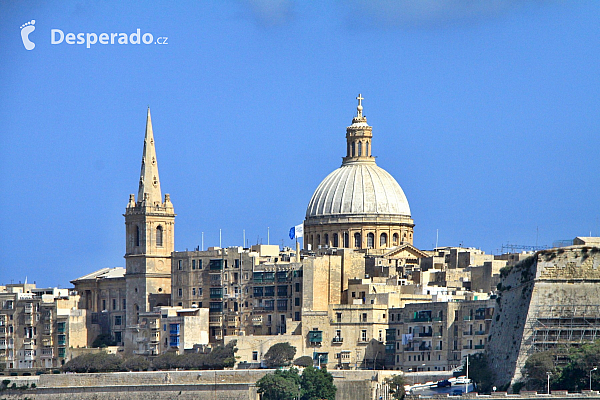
358 188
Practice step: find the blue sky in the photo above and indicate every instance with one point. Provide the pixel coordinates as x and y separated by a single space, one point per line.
485 112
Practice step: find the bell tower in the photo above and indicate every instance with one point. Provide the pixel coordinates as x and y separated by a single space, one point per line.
150 235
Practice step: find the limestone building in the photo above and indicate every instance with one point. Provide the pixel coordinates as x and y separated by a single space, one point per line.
359 205
150 236
39 326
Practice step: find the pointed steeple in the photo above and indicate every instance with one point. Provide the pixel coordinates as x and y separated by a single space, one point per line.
149 190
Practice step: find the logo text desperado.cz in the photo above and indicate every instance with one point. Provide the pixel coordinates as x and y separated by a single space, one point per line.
57 36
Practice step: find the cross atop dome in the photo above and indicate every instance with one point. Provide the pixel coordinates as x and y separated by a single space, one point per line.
360 107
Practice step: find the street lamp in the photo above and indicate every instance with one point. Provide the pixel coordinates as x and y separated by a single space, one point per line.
549 374
592 370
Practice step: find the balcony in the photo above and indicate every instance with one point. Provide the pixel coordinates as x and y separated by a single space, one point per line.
468 347
479 346
438 347
468 333
424 347
61 327
315 337
480 332
47 353
232 322
418 319
390 348
28 308
257 320
480 317
425 334
467 318
390 335
215 321
215 265
337 340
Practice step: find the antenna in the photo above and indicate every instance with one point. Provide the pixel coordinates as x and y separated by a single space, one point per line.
202 241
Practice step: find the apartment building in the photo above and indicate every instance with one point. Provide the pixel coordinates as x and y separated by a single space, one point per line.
39 326
247 291
437 336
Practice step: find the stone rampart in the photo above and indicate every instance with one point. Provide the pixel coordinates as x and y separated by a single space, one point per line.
557 283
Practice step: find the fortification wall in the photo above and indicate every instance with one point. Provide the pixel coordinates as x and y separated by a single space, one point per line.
558 277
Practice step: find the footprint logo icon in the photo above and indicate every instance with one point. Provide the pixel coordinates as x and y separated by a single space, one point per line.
26 29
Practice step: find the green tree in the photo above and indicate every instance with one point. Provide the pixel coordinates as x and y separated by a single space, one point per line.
136 363
95 362
279 386
480 372
104 340
168 360
317 384
396 384
304 361
536 370
279 355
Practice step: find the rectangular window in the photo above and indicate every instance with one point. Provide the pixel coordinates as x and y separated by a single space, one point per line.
117 320
193 291
180 292
338 317
282 291
237 264
193 264
297 301
282 305
199 291
103 305
199 264
114 304
179 265
124 304
255 356
297 316
363 335
297 287
270 291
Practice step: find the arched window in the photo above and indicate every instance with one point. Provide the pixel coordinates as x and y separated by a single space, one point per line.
326 241
370 240
348 150
404 237
383 240
359 149
352 149
336 242
395 239
357 240
346 240
367 154
137 235
159 236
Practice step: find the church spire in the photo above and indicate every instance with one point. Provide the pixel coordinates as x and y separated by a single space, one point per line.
149 190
